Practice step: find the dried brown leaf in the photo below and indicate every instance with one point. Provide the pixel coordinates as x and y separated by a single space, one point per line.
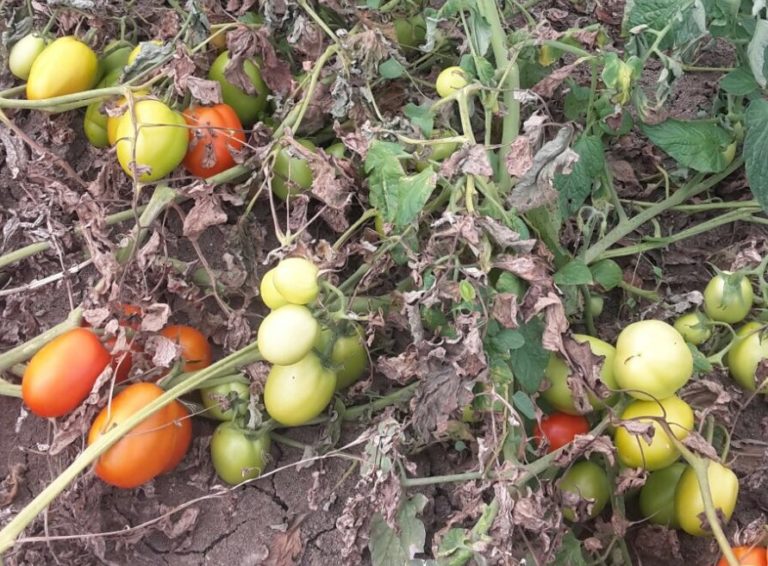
204 91
9 488
694 441
504 309
286 548
174 526
155 317
520 157
547 86
207 212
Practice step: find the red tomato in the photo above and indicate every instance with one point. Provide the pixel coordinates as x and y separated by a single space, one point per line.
182 424
122 360
62 373
195 350
560 428
146 451
216 132
747 556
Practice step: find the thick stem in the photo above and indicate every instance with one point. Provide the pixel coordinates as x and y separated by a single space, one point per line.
161 198
10 389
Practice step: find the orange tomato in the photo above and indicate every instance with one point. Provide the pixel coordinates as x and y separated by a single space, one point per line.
62 373
182 424
195 350
216 132
748 556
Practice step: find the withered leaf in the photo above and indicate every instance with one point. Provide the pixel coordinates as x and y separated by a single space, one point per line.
207 212
155 317
286 548
698 444
204 91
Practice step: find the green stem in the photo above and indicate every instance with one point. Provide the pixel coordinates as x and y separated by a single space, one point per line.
26 350
480 530
161 198
364 217
68 101
10 389
652 296
703 207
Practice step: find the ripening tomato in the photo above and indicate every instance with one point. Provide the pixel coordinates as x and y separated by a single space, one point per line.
728 297
269 294
23 54
295 278
215 133
634 451
747 556
292 173
695 327
66 66
247 106
560 429
156 141
146 451
657 496
287 334
590 483
297 393
559 394
239 455
450 80
749 349
652 360
181 422
226 401
62 373
689 505
195 349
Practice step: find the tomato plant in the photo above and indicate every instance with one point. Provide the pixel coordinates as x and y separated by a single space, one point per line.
635 451
749 349
657 496
652 360
23 54
292 173
216 132
147 450
297 393
560 429
689 504
287 334
238 455
694 327
295 278
195 349
248 106
589 483
728 297
747 556
226 401
65 66
62 373
450 80
269 294
559 395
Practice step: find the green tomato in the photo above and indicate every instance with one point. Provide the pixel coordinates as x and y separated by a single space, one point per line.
595 305
226 401
336 150
634 451
590 483
657 497
689 504
287 334
348 356
559 394
295 279
95 125
652 360
411 32
292 173
694 327
247 106
439 151
269 294
297 393
160 145
728 297
238 455
450 80
115 56
23 54
66 66
749 349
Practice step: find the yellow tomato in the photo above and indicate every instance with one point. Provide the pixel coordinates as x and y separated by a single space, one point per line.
66 66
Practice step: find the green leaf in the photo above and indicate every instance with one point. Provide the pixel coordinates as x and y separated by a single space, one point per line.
506 340
391 69
414 194
739 82
700 362
607 273
576 101
756 150
756 53
570 553
389 548
574 272
687 19
528 362
499 371
698 144
524 404
577 186
421 116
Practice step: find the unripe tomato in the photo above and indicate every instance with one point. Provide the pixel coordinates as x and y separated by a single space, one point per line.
694 327
747 556
66 66
182 426
226 401
411 32
336 150
728 297
161 142
595 305
269 294
634 451
147 450
297 393
115 56
62 373
657 496
295 278
287 334
749 349
247 106
238 455
348 354
652 360
195 350
689 505
95 125
437 152
23 54
292 173
450 80
216 132
560 429
590 482
559 394
136 50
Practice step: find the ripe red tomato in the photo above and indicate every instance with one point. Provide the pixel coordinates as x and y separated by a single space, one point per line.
62 373
216 132
122 360
195 350
182 424
146 451
560 429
